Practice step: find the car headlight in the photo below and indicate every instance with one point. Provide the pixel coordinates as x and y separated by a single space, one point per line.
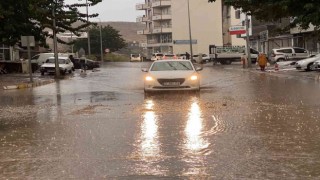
149 78
194 77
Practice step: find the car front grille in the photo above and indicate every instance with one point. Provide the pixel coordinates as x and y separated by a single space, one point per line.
50 68
162 81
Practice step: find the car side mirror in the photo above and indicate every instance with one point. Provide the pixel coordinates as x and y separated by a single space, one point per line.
144 69
199 68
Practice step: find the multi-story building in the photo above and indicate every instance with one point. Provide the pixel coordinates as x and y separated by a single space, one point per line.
167 25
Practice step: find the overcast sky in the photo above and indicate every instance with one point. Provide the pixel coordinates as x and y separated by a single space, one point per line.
114 10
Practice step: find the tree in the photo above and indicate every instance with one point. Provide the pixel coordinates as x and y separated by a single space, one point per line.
111 39
303 13
35 18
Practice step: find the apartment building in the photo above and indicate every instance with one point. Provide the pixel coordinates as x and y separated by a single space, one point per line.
167 25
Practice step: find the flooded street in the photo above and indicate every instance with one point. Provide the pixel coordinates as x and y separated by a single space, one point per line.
242 125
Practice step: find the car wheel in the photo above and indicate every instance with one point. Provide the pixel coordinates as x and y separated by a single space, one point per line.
309 67
70 71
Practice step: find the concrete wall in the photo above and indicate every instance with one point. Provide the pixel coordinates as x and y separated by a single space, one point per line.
206 22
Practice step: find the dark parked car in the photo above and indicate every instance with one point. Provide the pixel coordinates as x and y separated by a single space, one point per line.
89 65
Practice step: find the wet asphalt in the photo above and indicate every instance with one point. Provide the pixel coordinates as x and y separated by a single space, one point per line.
242 125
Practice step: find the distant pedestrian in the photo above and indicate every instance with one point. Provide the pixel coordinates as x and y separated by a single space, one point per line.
72 59
262 61
83 63
187 55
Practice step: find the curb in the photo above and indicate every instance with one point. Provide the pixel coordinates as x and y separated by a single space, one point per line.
28 85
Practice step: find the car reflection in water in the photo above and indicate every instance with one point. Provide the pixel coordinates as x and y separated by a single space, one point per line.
186 143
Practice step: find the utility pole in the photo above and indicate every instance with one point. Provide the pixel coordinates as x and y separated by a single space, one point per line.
248 42
190 37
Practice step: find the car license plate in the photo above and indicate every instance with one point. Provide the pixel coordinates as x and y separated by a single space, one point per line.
171 83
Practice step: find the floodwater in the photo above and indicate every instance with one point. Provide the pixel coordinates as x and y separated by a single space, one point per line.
242 125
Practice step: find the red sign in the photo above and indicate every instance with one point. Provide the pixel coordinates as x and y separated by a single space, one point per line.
237 30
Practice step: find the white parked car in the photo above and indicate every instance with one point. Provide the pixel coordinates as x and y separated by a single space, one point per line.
172 74
305 64
156 56
288 53
42 57
65 65
315 65
204 58
135 57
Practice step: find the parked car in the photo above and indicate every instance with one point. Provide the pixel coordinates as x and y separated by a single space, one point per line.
42 57
169 56
156 56
288 53
205 58
135 57
306 64
315 65
170 75
91 64
65 65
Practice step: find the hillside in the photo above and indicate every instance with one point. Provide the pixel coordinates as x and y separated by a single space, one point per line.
128 30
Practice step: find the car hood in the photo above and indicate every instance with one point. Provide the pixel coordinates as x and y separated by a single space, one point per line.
171 74
308 60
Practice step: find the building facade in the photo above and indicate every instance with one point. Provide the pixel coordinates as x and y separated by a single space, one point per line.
167 25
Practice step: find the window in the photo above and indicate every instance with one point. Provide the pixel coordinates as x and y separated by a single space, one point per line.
299 50
237 14
284 50
172 66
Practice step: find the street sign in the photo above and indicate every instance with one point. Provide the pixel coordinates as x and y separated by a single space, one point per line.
107 50
194 41
237 30
25 40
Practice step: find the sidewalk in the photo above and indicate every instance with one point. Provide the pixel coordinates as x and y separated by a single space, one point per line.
21 81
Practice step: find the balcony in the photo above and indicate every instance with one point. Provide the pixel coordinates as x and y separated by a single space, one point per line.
142 19
144 6
161 3
159 17
143 32
162 29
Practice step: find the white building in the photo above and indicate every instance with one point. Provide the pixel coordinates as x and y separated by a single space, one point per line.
167 25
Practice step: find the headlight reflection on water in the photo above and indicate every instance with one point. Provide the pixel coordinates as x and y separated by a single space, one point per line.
149 133
193 130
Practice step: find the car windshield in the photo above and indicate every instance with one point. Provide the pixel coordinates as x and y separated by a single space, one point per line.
172 66
135 55
61 61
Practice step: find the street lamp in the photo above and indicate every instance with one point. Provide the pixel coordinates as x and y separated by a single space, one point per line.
190 38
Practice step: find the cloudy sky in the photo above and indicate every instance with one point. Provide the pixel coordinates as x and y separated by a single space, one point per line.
114 10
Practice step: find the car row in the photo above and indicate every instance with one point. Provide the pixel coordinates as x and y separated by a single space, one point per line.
199 58
67 65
